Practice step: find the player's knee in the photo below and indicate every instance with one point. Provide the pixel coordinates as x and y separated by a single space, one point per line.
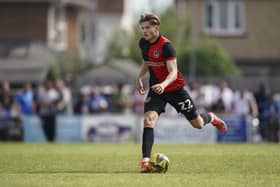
198 126
149 121
197 123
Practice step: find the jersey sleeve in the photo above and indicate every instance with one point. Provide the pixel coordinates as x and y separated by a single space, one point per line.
169 51
141 43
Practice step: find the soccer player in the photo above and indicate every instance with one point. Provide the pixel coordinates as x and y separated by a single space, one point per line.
166 85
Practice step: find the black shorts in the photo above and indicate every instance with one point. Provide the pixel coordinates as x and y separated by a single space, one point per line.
179 99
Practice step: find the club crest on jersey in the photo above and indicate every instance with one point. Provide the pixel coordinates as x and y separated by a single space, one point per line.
156 54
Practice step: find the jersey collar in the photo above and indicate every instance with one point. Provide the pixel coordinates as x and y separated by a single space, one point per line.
156 40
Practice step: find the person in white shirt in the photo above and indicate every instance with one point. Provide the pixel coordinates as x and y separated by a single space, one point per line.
244 103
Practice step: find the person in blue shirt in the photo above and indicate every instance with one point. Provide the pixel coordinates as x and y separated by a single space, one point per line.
25 100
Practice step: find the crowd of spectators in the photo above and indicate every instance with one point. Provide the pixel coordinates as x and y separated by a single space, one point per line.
59 97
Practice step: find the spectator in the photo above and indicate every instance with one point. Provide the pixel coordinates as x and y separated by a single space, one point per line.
83 105
138 103
10 121
223 97
24 100
262 99
7 101
121 100
47 109
270 115
64 99
98 102
244 104
198 96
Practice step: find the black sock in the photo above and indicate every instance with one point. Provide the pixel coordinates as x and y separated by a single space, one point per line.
206 118
147 142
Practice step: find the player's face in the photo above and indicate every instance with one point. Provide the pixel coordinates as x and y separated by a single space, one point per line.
150 32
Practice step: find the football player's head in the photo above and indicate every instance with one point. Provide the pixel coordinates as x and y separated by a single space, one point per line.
150 26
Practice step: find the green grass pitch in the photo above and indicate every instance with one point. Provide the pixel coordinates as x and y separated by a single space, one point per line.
118 165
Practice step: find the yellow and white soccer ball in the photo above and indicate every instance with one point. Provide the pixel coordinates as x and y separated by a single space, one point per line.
159 163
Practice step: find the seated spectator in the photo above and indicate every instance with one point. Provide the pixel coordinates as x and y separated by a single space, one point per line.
120 100
83 105
98 102
138 103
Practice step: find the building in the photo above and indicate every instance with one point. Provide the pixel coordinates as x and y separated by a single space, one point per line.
32 31
110 17
53 22
83 27
249 30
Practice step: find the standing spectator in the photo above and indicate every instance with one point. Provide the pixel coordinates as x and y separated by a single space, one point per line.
198 96
223 97
47 109
270 115
64 100
262 99
69 81
10 121
25 100
244 104
6 100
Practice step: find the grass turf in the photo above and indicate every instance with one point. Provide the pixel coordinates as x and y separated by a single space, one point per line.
118 165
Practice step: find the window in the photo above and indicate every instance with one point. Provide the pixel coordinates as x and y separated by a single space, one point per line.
83 33
18 49
57 28
224 17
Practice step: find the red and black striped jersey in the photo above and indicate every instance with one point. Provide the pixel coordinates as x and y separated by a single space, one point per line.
156 56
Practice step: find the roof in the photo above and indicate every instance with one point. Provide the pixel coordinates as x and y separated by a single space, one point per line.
115 71
80 3
25 63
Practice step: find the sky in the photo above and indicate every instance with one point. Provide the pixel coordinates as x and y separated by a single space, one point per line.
141 6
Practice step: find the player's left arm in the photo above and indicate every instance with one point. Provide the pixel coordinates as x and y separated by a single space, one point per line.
172 75
171 64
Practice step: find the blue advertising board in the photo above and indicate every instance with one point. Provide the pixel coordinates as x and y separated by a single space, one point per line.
237 130
33 131
68 129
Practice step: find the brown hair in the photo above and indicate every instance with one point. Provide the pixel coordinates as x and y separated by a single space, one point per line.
151 18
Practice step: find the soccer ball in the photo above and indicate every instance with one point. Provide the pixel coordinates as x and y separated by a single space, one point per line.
159 163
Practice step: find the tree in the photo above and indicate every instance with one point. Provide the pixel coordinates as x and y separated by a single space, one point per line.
211 58
66 63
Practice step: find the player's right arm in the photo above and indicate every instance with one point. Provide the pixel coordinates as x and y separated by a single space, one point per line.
139 83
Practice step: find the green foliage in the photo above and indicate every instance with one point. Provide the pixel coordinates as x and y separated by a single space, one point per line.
67 64
125 45
211 59
169 25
